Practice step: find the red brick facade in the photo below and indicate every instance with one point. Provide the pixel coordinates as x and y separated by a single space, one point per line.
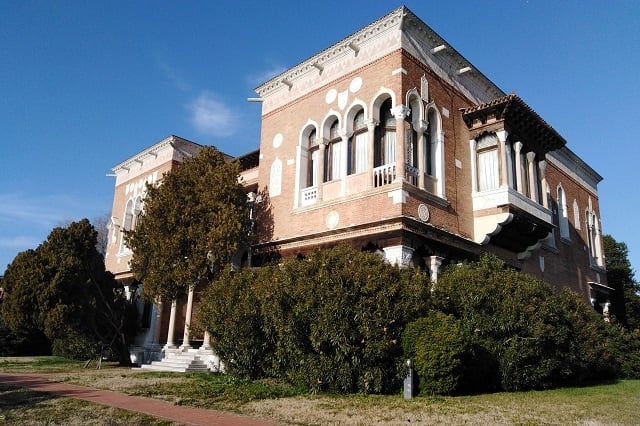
443 166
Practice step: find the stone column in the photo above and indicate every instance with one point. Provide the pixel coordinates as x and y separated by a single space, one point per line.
400 112
172 325
434 268
542 170
157 323
345 161
502 158
322 148
533 184
423 127
186 344
517 147
371 140
474 165
206 342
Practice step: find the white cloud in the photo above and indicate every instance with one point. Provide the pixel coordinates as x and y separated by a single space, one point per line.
211 116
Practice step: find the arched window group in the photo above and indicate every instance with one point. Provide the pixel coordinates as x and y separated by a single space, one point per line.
366 145
132 213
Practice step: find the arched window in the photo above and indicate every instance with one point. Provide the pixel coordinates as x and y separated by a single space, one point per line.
593 237
128 216
312 160
430 141
385 137
487 162
563 215
357 150
334 162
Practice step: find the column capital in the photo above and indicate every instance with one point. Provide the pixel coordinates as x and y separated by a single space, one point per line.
517 147
423 126
502 135
400 112
371 123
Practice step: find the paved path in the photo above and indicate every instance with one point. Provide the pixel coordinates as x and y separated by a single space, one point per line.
153 407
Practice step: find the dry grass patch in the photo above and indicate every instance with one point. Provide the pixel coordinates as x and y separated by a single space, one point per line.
25 407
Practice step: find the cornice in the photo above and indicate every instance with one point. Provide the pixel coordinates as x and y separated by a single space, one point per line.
405 31
349 46
567 161
152 152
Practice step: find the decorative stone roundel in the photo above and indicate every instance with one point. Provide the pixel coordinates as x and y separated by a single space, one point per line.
331 96
277 140
423 213
332 219
355 85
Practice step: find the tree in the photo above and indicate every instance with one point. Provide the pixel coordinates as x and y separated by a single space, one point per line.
193 223
620 276
61 289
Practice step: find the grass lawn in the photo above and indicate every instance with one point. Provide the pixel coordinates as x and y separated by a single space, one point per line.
617 403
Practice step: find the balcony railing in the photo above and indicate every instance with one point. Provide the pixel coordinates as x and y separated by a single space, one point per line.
309 195
384 175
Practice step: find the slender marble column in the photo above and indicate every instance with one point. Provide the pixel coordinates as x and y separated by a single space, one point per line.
519 184
400 112
371 135
502 141
186 344
172 325
533 184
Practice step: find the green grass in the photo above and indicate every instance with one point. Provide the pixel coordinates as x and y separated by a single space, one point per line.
615 403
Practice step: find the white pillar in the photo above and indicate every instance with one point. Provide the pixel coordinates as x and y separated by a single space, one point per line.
434 268
517 147
186 345
533 186
423 127
400 112
371 141
156 323
503 154
345 166
322 149
474 166
542 170
172 325
206 342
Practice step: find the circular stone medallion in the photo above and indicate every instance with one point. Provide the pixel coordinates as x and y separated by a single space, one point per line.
423 213
332 219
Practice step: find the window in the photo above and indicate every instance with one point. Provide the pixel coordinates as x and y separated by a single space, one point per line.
563 217
430 141
312 160
334 162
487 163
593 237
385 141
357 150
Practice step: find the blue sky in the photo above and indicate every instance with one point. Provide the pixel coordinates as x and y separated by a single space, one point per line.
86 84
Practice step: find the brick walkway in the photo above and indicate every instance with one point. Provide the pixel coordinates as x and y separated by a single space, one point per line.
153 407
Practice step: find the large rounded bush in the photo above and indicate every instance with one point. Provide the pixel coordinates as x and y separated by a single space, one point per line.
331 321
437 345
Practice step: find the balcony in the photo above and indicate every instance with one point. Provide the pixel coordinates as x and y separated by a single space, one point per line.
510 220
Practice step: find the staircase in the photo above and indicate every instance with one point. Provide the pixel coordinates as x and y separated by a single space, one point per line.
179 362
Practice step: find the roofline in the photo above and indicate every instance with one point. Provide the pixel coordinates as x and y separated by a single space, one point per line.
394 19
151 151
